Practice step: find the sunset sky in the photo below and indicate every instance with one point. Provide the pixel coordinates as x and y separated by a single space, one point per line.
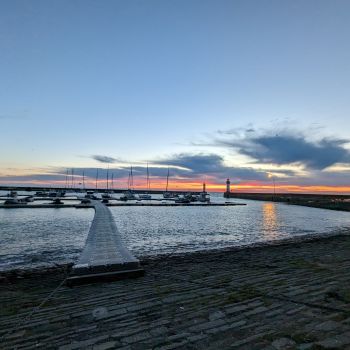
209 88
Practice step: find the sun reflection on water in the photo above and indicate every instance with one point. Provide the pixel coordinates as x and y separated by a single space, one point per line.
270 220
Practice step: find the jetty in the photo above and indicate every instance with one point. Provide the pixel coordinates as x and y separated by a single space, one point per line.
322 201
118 204
104 257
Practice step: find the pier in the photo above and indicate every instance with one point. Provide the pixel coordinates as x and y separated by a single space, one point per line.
104 257
322 201
119 204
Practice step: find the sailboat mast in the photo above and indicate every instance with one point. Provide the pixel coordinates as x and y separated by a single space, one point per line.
167 181
83 179
107 176
66 179
96 178
131 179
148 181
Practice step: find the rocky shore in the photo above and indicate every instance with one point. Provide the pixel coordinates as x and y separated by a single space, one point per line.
286 295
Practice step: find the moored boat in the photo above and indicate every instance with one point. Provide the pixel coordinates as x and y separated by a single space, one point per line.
146 196
182 199
129 194
12 201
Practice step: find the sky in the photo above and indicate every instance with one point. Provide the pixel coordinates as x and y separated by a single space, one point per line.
209 88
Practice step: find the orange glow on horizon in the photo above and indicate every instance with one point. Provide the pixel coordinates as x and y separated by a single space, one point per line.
185 185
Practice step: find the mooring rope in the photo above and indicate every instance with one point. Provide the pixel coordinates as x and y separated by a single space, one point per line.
25 319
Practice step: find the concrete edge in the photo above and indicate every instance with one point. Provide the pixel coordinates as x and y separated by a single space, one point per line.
104 277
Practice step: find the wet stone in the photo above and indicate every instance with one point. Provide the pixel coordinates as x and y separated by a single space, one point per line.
283 344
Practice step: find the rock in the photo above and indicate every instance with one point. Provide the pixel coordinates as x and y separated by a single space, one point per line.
99 313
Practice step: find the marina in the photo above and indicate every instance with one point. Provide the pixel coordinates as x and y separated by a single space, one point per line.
132 204
56 234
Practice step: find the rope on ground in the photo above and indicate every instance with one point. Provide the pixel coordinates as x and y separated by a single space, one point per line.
34 310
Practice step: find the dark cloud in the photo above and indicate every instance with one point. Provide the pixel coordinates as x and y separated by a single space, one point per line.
104 159
195 163
200 165
289 148
182 166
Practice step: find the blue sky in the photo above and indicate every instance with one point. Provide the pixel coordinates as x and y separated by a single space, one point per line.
156 80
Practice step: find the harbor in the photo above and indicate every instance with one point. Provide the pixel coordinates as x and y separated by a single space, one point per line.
174 175
56 234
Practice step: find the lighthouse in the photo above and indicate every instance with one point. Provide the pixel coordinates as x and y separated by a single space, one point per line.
228 189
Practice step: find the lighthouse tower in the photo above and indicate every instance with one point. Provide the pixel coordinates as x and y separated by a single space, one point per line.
228 189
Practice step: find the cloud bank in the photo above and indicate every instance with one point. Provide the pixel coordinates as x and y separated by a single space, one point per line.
290 149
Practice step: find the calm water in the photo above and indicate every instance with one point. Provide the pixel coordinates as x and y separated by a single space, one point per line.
31 238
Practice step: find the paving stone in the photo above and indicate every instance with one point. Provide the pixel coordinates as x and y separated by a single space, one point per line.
226 327
136 338
335 342
328 326
283 344
83 344
105 346
196 315
305 346
207 325
161 330
216 315
196 338
256 311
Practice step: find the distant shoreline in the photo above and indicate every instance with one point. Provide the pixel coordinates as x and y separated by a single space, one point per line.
321 201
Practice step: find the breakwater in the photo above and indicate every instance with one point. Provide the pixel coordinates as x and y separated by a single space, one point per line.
324 201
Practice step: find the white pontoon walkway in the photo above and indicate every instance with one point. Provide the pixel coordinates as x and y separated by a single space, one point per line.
104 256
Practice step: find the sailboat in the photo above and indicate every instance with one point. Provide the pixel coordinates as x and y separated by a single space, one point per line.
167 194
91 194
147 195
129 194
105 196
13 199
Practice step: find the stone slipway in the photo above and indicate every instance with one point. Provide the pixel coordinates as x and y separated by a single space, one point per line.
289 296
104 256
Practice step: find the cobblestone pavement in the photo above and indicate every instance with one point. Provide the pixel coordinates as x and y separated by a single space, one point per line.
289 296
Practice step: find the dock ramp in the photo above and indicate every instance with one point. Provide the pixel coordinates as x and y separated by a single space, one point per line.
104 257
